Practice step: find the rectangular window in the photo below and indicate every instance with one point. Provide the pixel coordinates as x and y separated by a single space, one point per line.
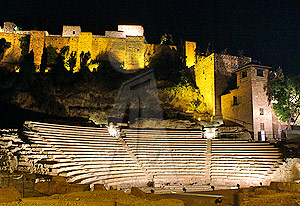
260 73
261 111
244 74
235 100
262 126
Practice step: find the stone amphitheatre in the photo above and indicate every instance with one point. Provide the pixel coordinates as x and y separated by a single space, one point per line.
67 158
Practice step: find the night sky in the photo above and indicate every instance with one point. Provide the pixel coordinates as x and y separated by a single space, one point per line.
268 31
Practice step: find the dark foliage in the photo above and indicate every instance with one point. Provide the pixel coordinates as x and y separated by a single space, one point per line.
24 45
27 70
43 65
169 65
59 72
4 45
44 96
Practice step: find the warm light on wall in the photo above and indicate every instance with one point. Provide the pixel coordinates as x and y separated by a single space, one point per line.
131 30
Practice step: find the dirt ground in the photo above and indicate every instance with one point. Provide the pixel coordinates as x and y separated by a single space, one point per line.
95 198
258 196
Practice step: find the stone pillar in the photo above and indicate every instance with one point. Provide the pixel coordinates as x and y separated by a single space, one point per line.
208 161
210 132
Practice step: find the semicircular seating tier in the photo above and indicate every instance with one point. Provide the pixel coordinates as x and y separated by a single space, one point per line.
89 155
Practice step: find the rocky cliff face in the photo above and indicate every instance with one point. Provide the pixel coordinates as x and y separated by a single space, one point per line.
95 103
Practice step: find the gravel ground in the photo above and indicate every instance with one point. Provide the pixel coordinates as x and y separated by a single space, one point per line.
105 198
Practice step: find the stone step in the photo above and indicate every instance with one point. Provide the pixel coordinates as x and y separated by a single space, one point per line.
168 151
63 126
107 178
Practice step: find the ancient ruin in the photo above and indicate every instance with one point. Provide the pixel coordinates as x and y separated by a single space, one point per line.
194 159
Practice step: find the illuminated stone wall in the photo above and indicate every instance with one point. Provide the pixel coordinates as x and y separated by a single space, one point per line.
251 108
71 31
131 30
115 34
225 65
37 42
213 77
241 110
204 75
128 53
13 53
9 27
190 53
260 101
135 51
57 42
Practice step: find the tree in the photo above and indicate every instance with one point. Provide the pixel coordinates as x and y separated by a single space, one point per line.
24 45
284 93
59 71
167 39
51 56
4 45
27 68
69 58
85 60
72 61
43 65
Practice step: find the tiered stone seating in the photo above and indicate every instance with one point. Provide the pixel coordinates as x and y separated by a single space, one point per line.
84 154
169 155
242 162
90 155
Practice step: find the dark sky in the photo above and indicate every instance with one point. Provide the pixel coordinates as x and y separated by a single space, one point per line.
268 31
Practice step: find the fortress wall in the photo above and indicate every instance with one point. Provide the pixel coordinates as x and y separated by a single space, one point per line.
57 42
13 53
131 30
101 47
216 71
130 52
71 31
225 65
117 51
204 75
240 113
190 53
73 44
135 50
112 49
37 41
84 45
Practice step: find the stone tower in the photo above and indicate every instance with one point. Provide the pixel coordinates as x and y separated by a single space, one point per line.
248 104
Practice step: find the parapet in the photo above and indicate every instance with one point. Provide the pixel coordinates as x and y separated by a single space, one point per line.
9 27
131 30
71 31
115 34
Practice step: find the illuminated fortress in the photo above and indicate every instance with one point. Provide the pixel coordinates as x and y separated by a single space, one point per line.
126 48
